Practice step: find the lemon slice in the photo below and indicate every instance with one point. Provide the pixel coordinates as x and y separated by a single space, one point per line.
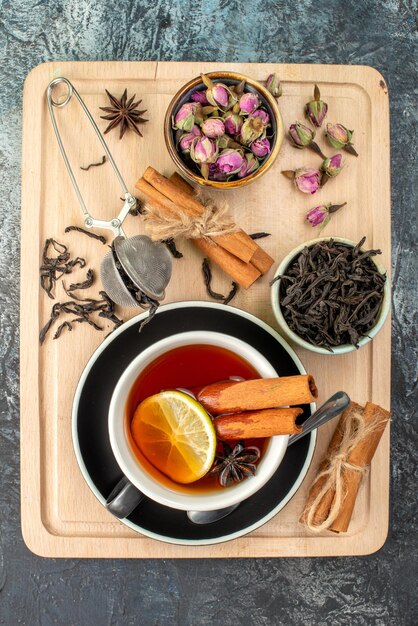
176 435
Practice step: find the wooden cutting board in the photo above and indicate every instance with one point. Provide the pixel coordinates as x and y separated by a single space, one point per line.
60 515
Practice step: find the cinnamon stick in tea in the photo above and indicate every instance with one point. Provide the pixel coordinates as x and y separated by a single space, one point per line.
257 424
262 393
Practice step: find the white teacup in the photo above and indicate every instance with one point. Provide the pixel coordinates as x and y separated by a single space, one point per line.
140 477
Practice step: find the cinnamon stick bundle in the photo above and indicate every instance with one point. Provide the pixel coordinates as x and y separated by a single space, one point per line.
261 393
333 494
235 252
257 424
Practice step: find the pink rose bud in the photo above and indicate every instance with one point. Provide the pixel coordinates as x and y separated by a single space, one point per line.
203 150
306 179
229 161
184 118
321 215
274 86
316 109
251 130
213 127
332 166
233 123
261 147
249 165
318 215
301 135
200 96
216 174
218 94
263 115
340 137
249 102
187 139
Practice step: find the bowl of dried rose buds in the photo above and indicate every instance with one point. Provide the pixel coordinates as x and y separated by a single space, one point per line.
223 129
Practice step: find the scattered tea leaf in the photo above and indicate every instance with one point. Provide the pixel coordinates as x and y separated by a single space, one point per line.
207 277
78 229
87 167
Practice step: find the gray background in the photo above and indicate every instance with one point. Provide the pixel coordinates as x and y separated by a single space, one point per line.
380 589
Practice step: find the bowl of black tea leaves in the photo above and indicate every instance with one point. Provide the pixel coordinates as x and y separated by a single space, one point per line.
330 295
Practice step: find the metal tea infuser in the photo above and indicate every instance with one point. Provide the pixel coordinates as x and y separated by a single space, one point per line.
137 261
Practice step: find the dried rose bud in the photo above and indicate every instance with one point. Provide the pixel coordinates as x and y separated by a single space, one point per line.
332 166
200 96
187 139
229 161
233 123
216 174
321 215
203 150
249 165
251 130
227 142
306 179
340 137
249 102
218 94
274 85
213 127
303 137
187 115
261 147
316 109
263 115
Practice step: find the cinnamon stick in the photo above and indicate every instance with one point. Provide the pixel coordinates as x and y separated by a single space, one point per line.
261 260
344 468
254 251
316 487
245 274
361 456
257 424
156 198
179 181
237 243
261 393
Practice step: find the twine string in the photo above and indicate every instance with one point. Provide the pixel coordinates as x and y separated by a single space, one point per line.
213 221
355 431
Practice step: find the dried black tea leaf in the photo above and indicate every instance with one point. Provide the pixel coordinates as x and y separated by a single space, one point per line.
260 235
207 277
78 229
87 167
171 245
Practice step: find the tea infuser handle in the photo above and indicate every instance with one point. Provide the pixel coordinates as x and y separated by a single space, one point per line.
124 498
116 223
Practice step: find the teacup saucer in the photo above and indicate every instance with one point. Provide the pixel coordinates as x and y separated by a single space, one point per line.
90 421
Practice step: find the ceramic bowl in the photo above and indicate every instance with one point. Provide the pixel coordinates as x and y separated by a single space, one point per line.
296 339
228 78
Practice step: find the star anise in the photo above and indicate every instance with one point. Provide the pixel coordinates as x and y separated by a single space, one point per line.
235 464
123 112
